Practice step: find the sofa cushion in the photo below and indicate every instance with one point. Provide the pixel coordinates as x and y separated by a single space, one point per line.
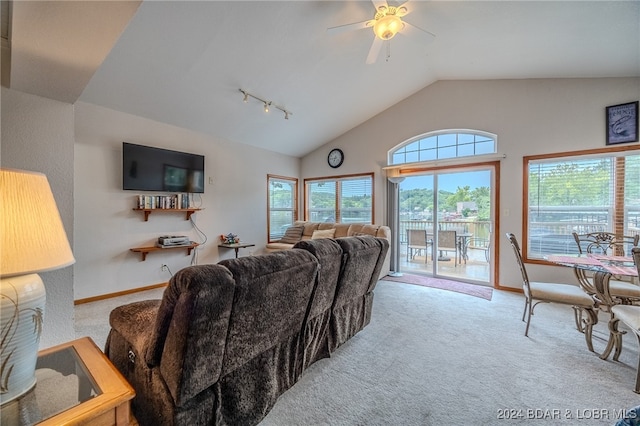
277 246
342 229
325 233
292 235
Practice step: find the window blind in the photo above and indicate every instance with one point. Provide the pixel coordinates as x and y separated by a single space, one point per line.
582 194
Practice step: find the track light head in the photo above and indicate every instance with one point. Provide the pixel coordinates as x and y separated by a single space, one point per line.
266 106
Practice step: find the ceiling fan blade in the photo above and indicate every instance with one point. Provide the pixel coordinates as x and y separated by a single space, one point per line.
375 50
416 33
379 3
350 27
404 9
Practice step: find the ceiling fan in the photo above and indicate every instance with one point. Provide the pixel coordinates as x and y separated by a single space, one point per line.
386 23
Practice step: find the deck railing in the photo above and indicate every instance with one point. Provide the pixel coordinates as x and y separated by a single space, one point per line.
481 230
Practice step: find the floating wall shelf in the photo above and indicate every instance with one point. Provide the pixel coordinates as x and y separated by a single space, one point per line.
147 212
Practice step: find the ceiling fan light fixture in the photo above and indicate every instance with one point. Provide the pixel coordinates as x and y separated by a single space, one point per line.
387 26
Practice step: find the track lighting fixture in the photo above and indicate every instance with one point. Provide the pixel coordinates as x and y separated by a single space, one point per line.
267 104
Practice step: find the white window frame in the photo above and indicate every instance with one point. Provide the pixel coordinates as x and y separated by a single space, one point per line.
443 145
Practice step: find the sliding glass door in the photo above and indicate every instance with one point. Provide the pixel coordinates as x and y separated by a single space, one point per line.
446 222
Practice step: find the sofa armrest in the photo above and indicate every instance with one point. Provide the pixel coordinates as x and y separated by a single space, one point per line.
135 322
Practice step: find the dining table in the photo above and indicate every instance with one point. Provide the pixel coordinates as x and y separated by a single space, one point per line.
594 272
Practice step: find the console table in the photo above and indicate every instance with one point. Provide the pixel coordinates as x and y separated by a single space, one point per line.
76 384
235 246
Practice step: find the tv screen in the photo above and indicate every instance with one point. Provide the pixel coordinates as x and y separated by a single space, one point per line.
146 168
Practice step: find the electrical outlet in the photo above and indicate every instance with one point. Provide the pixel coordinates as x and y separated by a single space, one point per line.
164 268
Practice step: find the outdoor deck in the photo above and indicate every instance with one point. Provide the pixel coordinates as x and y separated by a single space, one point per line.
476 269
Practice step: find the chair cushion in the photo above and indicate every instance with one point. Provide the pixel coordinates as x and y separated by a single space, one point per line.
628 314
561 293
624 289
292 235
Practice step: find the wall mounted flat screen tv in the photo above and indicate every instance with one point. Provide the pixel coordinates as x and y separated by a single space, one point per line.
146 168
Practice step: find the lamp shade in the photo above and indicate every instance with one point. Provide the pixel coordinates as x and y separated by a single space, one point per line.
32 240
32 237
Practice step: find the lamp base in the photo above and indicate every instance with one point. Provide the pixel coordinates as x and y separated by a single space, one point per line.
21 317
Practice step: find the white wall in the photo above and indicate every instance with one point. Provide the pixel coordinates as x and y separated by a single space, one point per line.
106 226
37 135
529 116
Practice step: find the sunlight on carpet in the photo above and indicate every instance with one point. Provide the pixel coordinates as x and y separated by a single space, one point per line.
457 286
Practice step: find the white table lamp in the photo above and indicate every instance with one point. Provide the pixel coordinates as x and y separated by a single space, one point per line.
32 239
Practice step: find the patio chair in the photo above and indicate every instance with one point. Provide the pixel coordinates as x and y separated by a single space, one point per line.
448 241
417 241
545 292
625 289
483 244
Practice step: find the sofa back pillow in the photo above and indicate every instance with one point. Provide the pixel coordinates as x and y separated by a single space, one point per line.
292 235
325 233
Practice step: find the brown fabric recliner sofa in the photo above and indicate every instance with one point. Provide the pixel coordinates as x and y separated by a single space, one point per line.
227 340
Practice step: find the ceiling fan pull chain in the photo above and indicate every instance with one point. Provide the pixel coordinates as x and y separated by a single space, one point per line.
388 51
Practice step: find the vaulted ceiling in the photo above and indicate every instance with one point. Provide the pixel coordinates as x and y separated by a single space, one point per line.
183 62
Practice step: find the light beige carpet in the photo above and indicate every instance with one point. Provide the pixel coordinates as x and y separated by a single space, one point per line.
434 357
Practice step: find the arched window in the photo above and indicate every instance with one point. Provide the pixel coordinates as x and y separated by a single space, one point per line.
443 144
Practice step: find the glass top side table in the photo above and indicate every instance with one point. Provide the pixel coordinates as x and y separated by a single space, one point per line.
75 383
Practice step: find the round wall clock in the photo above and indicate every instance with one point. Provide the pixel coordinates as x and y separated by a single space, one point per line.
335 158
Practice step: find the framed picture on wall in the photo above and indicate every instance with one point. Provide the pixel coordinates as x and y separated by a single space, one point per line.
622 123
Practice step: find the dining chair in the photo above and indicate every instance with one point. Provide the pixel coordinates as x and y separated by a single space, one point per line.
448 241
624 289
630 316
606 243
546 292
417 240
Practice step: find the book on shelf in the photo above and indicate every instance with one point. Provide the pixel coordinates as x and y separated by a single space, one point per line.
172 201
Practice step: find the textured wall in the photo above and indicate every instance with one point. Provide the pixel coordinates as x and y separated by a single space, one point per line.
235 200
37 134
529 116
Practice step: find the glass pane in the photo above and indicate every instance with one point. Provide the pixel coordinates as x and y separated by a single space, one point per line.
280 220
464 206
449 152
398 158
447 145
566 196
488 147
427 155
322 201
464 138
281 211
447 140
281 194
429 143
413 146
466 150
356 200
412 157
632 195
63 382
